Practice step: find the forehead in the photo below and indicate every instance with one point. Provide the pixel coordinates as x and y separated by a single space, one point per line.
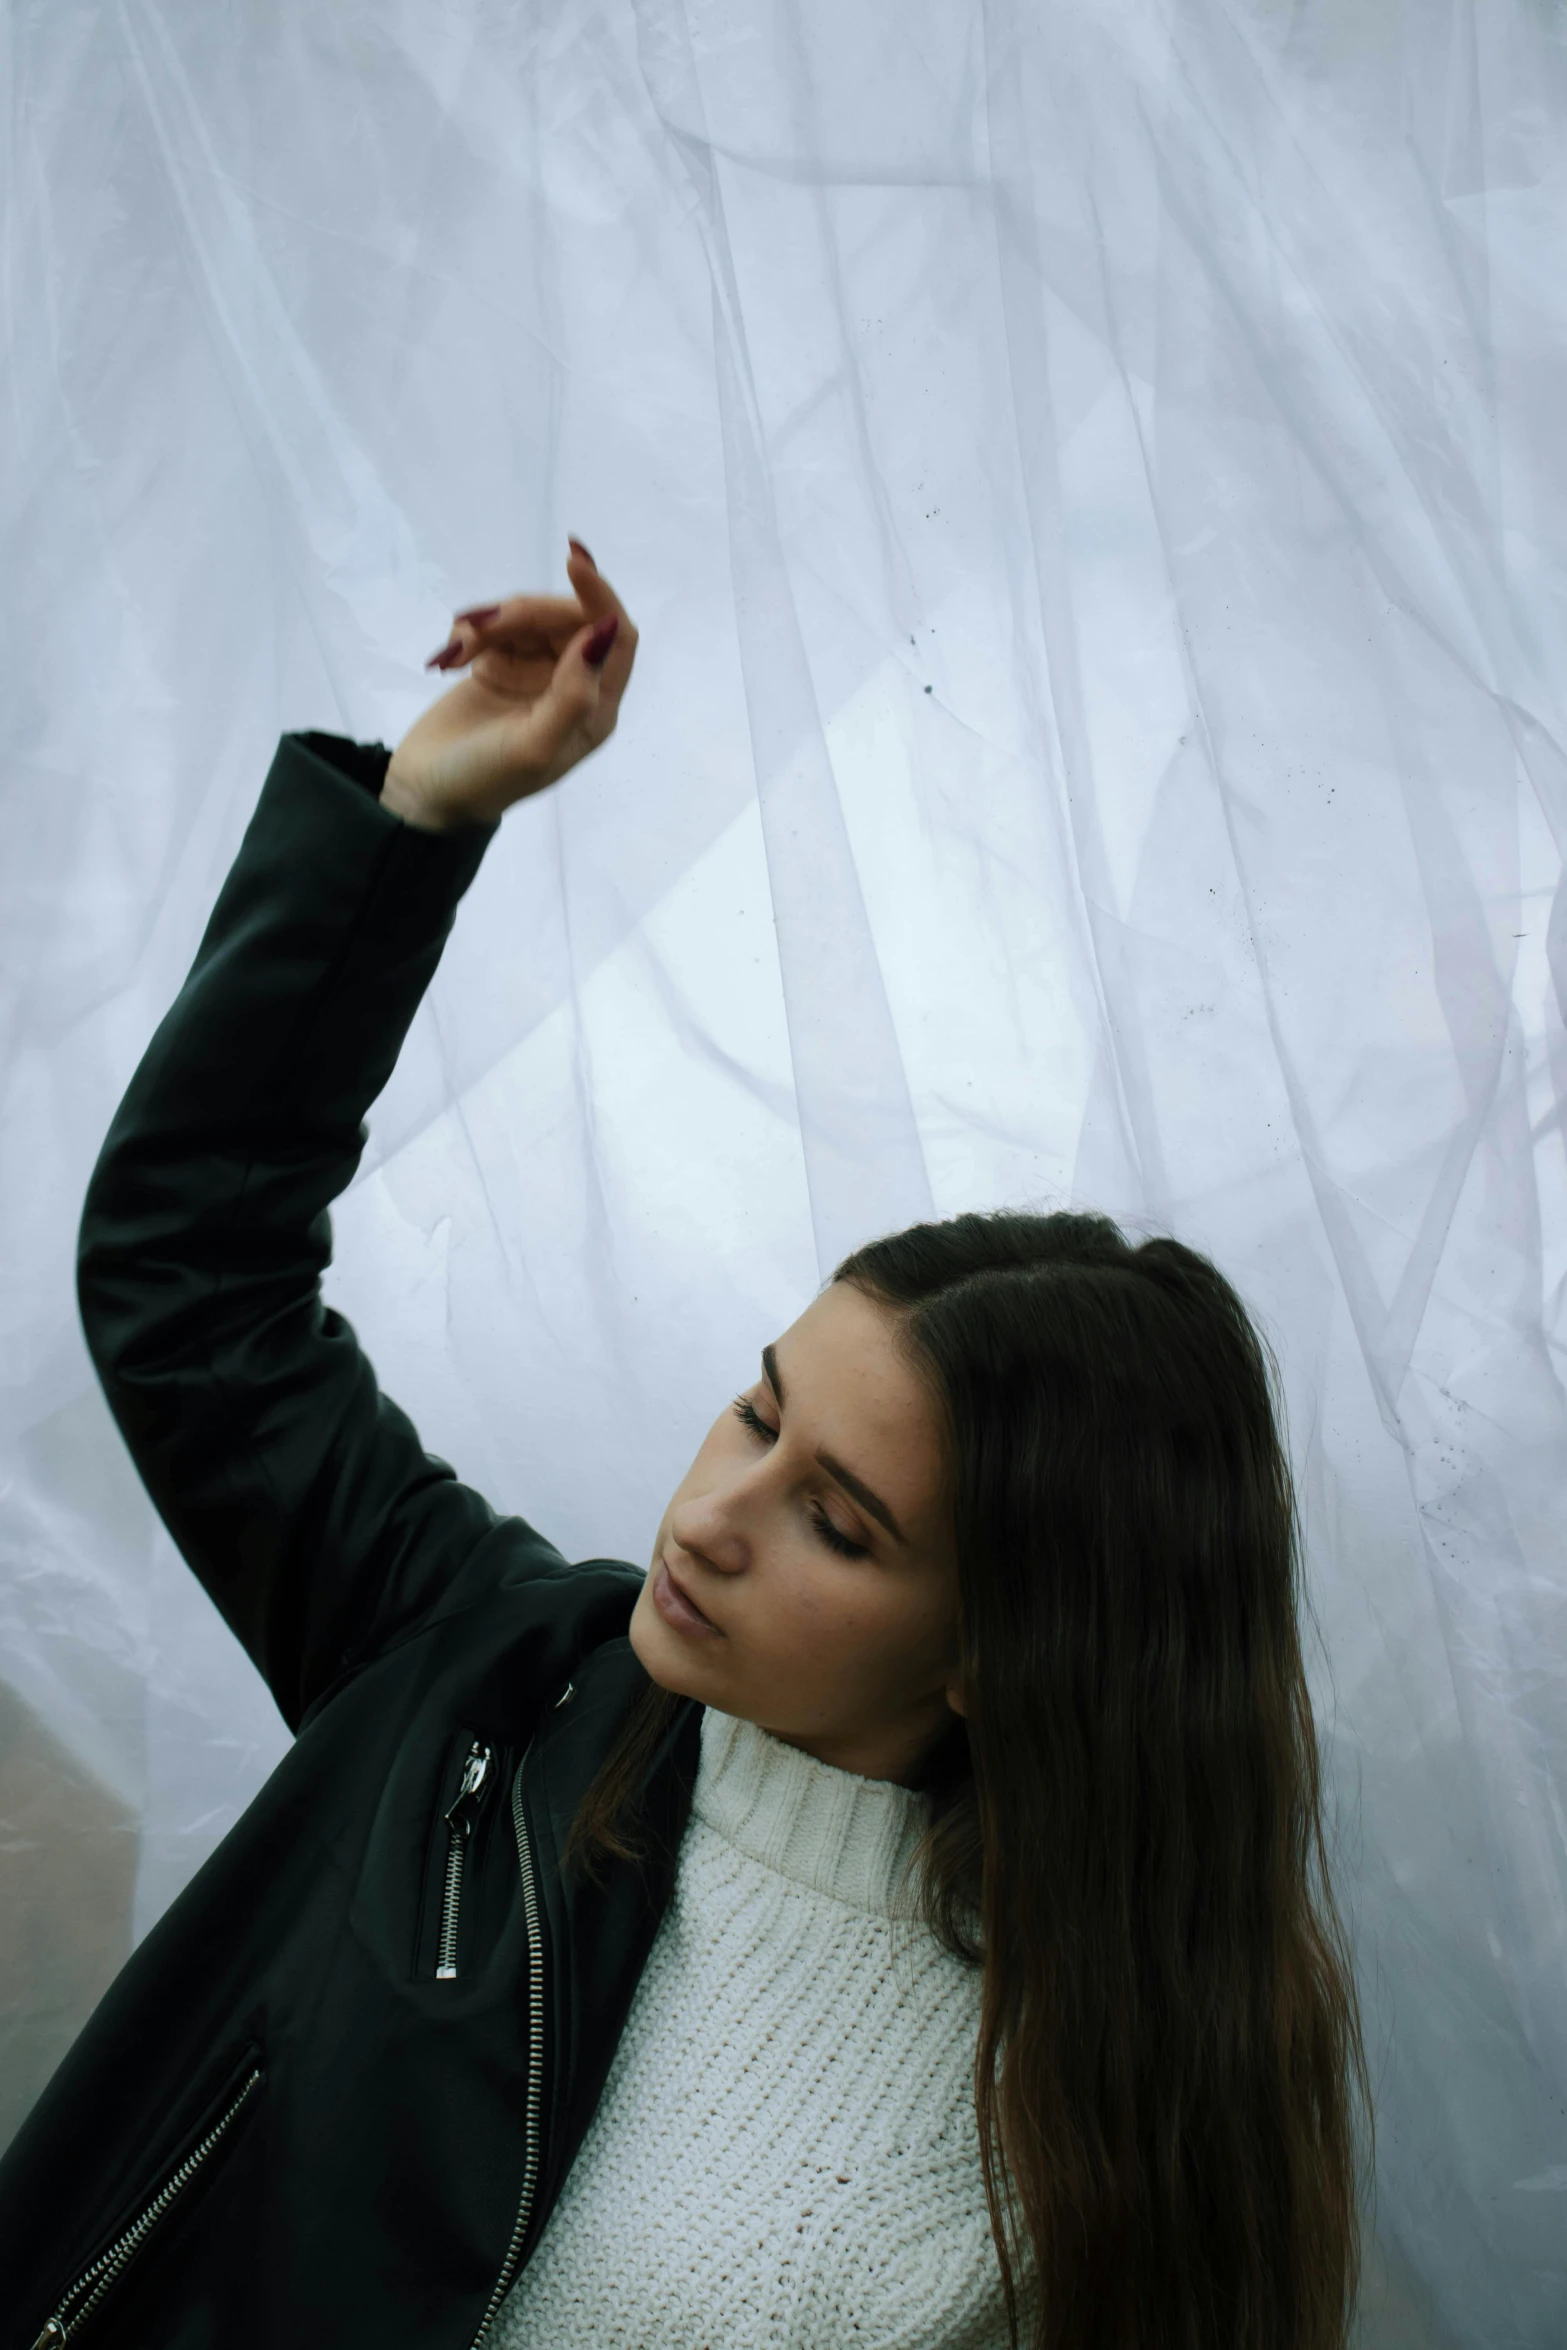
850 1388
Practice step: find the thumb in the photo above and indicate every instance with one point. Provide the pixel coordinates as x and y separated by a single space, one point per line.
574 689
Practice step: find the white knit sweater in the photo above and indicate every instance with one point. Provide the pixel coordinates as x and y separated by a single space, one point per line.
785 2156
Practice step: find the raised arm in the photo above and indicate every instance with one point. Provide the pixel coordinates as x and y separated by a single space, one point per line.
298 1493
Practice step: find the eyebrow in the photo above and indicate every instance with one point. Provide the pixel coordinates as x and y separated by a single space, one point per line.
835 1468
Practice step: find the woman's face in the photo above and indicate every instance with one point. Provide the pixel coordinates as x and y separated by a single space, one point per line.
811 1531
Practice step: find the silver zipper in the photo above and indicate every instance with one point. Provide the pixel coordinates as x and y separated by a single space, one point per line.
530 2173
109 2266
459 1827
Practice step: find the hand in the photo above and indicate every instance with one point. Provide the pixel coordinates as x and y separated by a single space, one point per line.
529 708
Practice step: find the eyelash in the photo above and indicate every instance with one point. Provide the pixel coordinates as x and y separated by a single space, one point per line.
749 1417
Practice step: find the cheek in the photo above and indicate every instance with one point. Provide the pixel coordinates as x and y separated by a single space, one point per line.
805 1626
820 1621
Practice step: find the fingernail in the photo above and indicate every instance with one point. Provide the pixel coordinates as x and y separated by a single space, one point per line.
596 651
445 656
479 614
578 548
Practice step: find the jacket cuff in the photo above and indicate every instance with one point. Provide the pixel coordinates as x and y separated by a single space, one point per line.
437 864
324 937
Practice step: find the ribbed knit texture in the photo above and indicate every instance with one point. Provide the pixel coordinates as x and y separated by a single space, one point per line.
785 2156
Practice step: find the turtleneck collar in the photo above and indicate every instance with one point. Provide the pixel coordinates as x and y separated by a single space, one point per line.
845 1836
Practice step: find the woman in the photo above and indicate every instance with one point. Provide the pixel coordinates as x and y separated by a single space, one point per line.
887 1919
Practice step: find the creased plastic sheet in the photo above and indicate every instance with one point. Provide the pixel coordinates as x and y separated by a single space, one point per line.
1089 481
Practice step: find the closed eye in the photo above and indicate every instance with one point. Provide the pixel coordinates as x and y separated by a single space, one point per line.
749 1417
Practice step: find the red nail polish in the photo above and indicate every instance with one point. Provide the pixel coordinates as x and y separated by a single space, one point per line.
444 657
477 617
578 548
596 651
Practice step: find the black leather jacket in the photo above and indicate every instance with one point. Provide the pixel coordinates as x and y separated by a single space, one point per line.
334 2094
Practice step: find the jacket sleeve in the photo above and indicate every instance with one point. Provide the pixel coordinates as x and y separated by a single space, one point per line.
298 1493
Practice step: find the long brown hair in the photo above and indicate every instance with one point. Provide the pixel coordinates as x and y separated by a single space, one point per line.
1126 1833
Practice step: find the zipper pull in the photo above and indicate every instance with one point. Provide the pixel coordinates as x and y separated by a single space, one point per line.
463 1809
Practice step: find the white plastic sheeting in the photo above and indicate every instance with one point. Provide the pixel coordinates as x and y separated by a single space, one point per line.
1089 482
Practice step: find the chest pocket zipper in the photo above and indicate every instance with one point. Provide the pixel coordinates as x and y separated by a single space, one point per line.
106 2271
460 1817
532 2110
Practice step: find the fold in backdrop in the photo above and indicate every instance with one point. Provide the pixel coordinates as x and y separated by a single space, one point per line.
1089 481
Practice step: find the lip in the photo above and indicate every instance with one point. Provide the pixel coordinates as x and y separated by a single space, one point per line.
678 1609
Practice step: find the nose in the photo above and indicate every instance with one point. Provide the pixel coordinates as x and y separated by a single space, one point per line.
707 1529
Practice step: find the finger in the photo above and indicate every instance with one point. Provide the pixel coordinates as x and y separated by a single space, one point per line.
601 601
531 624
597 597
518 624
573 693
